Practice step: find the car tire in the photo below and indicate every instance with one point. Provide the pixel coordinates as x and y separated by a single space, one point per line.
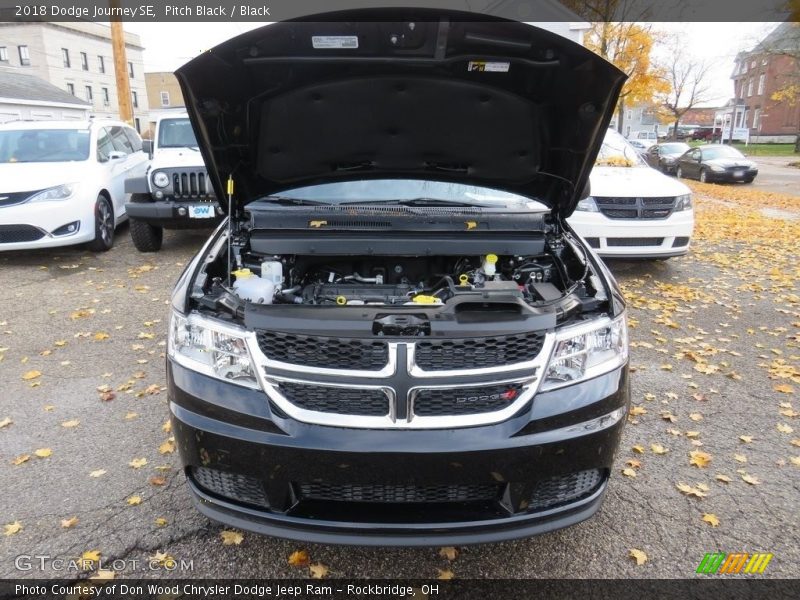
703 176
146 237
104 225
679 173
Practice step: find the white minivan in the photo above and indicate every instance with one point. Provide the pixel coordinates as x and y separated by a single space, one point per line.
633 210
63 182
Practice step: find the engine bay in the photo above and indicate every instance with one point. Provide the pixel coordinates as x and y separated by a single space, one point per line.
560 279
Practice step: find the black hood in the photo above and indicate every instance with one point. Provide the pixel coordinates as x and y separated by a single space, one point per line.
401 93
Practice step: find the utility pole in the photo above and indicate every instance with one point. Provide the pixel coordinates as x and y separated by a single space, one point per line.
121 66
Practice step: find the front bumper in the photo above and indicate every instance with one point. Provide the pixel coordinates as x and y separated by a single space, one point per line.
544 469
43 225
635 238
731 176
175 214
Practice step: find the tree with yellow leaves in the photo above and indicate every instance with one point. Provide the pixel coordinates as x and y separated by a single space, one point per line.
628 46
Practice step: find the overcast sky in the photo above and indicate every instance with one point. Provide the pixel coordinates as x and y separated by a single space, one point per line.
169 45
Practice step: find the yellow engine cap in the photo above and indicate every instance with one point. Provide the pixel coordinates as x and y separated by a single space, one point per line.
423 299
463 279
491 258
242 273
341 300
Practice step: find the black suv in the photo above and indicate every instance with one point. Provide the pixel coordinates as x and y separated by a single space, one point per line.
396 338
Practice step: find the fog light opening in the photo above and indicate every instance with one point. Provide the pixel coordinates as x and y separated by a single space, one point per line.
68 229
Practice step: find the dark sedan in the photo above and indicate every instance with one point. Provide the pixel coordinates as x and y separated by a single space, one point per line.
716 163
664 156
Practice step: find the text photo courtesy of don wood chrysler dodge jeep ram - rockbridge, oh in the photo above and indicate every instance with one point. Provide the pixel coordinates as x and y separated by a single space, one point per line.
396 338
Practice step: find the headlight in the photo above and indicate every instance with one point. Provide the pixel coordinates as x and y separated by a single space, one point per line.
160 179
683 202
717 168
59 192
586 351
213 349
588 205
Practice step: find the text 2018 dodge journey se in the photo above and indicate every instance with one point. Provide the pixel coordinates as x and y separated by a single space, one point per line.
397 339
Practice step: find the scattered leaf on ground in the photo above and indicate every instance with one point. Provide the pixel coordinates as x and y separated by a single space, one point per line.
711 519
637 555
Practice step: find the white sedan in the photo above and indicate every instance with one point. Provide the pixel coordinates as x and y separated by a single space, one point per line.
633 210
63 182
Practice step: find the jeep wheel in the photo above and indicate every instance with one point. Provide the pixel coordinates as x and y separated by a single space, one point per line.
103 225
146 237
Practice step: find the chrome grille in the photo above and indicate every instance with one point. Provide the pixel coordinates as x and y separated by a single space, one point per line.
654 207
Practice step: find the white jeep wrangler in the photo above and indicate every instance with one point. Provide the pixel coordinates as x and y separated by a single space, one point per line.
175 192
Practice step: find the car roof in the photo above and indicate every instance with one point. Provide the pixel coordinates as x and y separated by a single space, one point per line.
59 124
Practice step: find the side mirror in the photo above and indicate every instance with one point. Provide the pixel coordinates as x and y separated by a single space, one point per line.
116 155
147 147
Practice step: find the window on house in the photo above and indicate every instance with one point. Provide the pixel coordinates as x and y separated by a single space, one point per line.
3 54
761 80
106 99
101 64
65 58
750 87
130 70
744 118
84 61
71 88
757 118
164 98
630 114
753 65
138 126
88 93
135 99
24 56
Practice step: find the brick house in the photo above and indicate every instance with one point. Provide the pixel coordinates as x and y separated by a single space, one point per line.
758 74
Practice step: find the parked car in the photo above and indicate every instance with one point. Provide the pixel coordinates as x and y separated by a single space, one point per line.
640 146
62 182
705 134
646 138
664 156
175 192
397 338
634 211
716 163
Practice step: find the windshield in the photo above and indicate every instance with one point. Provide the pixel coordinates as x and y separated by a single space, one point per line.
674 148
616 151
43 145
176 133
721 152
387 190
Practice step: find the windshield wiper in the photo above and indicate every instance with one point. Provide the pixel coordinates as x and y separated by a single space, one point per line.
286 201
418 202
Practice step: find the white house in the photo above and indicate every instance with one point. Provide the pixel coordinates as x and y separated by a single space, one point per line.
26 96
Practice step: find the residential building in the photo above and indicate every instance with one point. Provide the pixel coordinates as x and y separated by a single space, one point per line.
164 95
77 58
26 96
758 74
642 117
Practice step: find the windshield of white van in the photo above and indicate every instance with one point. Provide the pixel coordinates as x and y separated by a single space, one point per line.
43 145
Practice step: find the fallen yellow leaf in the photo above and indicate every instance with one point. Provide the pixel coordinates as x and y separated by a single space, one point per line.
445 574
71 423
5 422
21 459
88 559
12 528
71 522
658 449
161 521
699 459
448 552
318 571
691 491
746 438
97 473
629 472
723 478
299 558
231 538
138 463
711 519
750 479
784 388
167 447
637 555
43 452
134 501
783 428
31 375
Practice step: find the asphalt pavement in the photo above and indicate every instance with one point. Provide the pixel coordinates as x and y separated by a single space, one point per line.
714 333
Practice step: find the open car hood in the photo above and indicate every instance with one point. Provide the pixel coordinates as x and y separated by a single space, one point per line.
401 93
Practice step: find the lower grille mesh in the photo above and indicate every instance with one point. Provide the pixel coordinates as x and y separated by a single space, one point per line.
231 485
552 492
398 493
345 401
635 241
13 234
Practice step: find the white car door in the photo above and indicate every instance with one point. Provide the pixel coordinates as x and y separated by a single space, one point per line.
130 159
